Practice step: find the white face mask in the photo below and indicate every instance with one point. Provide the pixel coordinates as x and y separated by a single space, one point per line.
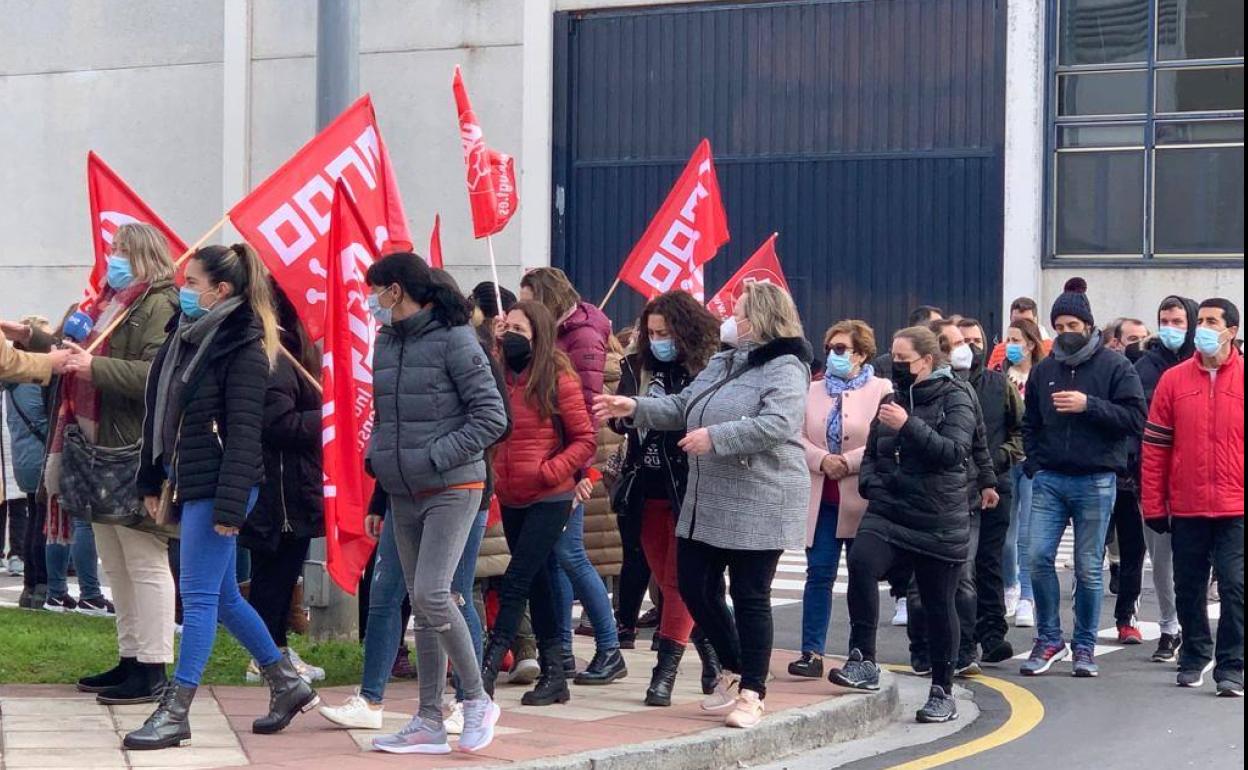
728 332
962 358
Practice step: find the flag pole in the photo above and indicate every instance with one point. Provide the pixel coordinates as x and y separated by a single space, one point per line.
610 291
303 371
498 291
121 317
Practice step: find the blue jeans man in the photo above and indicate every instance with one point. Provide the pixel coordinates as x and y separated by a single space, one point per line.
1086 502
81 550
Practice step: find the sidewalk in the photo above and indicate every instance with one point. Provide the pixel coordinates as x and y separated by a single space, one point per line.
602 727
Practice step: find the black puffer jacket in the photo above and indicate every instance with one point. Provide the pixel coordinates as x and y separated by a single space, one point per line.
291 500
915 480
219 445
675 461
1158 358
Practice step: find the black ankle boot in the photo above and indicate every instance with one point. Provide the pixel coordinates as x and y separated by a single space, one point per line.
710 662
145 683
110 678
663 677
288 695
491 662
168 725
606 667
552 686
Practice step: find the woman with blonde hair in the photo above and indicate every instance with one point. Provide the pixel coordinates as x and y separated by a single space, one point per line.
748 485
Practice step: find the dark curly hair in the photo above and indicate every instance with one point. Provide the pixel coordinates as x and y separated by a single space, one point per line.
691 325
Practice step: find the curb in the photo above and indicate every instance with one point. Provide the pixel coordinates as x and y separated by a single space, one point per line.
844 718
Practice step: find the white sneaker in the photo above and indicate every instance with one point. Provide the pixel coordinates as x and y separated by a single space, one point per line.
355 714
17 568
1013 595
900 616
747 712
454 720
307 671
525 671
253 673
722 701
1025 615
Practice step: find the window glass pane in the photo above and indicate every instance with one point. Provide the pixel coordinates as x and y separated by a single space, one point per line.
1199 201
1200 29
1102 31
1129 135
1103 93
1199 90
1200 132
1100 202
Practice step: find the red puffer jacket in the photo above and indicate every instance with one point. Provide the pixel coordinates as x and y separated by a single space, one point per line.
1193 459
583 337
531 464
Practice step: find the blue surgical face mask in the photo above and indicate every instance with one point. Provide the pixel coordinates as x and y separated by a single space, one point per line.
1014 352
383 315
1208 341
663 350
839 366
1172 338
188 299
119 274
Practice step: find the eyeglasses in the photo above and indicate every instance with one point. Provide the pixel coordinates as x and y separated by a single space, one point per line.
840 350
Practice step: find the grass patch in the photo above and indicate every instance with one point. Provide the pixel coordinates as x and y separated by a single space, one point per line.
51 648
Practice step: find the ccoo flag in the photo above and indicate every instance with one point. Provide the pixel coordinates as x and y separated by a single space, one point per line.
491 175
762 267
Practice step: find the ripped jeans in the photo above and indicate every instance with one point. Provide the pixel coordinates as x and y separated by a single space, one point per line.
430 533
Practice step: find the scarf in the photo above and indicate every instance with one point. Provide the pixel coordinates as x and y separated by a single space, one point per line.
197 334
836 389
1083 354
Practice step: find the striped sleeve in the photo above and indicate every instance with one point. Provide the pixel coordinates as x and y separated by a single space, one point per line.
1158 435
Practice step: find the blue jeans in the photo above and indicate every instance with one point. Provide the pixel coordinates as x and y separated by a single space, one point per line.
823 558
210 592
385 613
572 574
82 550
1015 562
1087 502
461 586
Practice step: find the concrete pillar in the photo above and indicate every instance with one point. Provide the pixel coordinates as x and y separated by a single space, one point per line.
235 108
535 145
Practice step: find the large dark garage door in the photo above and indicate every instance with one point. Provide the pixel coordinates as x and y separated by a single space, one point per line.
869 134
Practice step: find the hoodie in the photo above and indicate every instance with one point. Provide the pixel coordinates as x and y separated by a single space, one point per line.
1158 358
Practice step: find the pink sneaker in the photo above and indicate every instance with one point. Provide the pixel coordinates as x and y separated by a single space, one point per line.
748 711
721 700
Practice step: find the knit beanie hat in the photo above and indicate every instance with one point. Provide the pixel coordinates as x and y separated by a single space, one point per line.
483 297
1073 301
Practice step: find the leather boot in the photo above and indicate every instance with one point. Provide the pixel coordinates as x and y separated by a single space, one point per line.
168 725
298 618
710 662
110 678
606 667
145 683
663 677
492 663
288 696
552 686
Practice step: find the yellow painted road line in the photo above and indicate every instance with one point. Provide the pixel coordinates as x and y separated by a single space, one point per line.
1026 711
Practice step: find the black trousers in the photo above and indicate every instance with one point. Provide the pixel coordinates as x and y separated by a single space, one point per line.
870 561
743 643
966 602
34 541
634 572
13 520
1199 544
531 533
273 578
1128 525
990 624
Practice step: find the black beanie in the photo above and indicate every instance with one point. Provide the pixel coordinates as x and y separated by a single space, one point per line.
1073 301
483 297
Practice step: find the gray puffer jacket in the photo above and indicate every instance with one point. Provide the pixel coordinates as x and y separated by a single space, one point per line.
437 407
752 491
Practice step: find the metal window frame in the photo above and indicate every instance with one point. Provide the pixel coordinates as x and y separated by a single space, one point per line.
1148 257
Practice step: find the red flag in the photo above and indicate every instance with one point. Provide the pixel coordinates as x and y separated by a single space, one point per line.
347 379
287 217
685 234
762 267
435 242
491 174
114 204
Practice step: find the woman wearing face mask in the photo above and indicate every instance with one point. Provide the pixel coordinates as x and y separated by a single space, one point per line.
839 411
748 487
535 479
101 400
1024 348
202 435
438 409
680 337
914 475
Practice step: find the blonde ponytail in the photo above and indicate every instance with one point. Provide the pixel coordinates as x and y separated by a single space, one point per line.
260 297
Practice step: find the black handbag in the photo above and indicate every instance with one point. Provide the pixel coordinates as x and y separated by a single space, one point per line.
98 483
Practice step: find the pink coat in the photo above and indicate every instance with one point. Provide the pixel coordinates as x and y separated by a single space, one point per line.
858 410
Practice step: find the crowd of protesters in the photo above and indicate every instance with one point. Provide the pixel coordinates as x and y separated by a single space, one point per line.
682 456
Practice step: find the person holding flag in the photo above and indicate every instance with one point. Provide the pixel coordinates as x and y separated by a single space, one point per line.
437 410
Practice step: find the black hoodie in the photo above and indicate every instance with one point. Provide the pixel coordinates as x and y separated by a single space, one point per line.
1158 358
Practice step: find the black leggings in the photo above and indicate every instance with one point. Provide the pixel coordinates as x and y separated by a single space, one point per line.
531 533
634 572
35 541
1129 531
743 644
870 561
273 578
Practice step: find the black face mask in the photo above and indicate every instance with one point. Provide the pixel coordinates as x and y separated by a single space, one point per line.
1134 352
977 358
1071 342
517 351
903 379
